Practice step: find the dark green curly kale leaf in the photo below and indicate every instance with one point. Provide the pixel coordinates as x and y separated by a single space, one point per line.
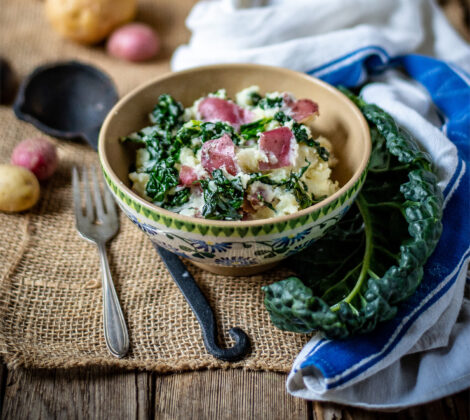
251 130
205 131
299 189
268 103
162 178
179 197
255 97
355 276
163 149
223 197
167 113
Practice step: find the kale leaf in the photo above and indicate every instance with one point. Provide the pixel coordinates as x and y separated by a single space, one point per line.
223 197
163 177
385 240
322 152
299 188
163 149
205 131
214 130
251 130
268 103
179 197
167 113
264 178
255 97
281 117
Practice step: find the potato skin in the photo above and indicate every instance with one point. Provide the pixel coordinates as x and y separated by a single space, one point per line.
19 188
38 155
89 21
133 42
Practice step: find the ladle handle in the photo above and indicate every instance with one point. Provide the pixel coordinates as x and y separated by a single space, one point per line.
91 135
201 308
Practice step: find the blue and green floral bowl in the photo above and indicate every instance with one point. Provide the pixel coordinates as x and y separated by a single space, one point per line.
237 247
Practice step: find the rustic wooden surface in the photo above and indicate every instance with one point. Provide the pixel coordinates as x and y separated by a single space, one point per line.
230 394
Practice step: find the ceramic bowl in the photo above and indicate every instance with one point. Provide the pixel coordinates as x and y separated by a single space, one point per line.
237 247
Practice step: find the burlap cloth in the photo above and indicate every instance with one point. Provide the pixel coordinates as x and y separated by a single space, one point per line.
50 292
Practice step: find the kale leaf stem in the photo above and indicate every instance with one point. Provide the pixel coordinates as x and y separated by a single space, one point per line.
336 306
362 205
388 169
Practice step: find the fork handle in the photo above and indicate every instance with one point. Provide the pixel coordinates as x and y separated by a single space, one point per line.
115 330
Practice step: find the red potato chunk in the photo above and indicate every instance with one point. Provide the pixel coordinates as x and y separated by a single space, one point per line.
219 153
217 109
278 145
187 176
301 110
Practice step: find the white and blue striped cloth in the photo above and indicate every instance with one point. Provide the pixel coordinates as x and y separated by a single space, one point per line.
415 67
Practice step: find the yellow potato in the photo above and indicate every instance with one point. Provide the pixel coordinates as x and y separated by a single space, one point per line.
19 188
89 21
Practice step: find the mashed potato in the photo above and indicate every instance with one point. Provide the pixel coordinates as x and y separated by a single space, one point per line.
251 158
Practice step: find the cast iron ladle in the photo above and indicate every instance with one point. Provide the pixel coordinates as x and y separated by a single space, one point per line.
67 100
200 306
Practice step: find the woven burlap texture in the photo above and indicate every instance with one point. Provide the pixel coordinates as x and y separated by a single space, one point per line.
50 292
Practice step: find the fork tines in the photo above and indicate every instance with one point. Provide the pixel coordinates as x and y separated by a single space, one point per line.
95 208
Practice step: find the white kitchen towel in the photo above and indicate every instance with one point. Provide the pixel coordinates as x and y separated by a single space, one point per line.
410 62
306 34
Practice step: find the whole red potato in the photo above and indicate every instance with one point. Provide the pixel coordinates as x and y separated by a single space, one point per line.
133 42
38 155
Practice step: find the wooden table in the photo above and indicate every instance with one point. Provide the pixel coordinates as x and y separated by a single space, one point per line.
233 394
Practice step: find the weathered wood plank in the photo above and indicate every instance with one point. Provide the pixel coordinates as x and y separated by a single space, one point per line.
77 394
461 404
101 394
433 410
454 407
231 394
330 411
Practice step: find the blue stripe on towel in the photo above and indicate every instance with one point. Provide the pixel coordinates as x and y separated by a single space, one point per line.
342 361
450 92
352 69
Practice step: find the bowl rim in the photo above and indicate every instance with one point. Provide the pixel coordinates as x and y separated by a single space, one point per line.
106 167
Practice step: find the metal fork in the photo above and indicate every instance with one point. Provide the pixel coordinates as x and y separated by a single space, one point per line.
98 224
